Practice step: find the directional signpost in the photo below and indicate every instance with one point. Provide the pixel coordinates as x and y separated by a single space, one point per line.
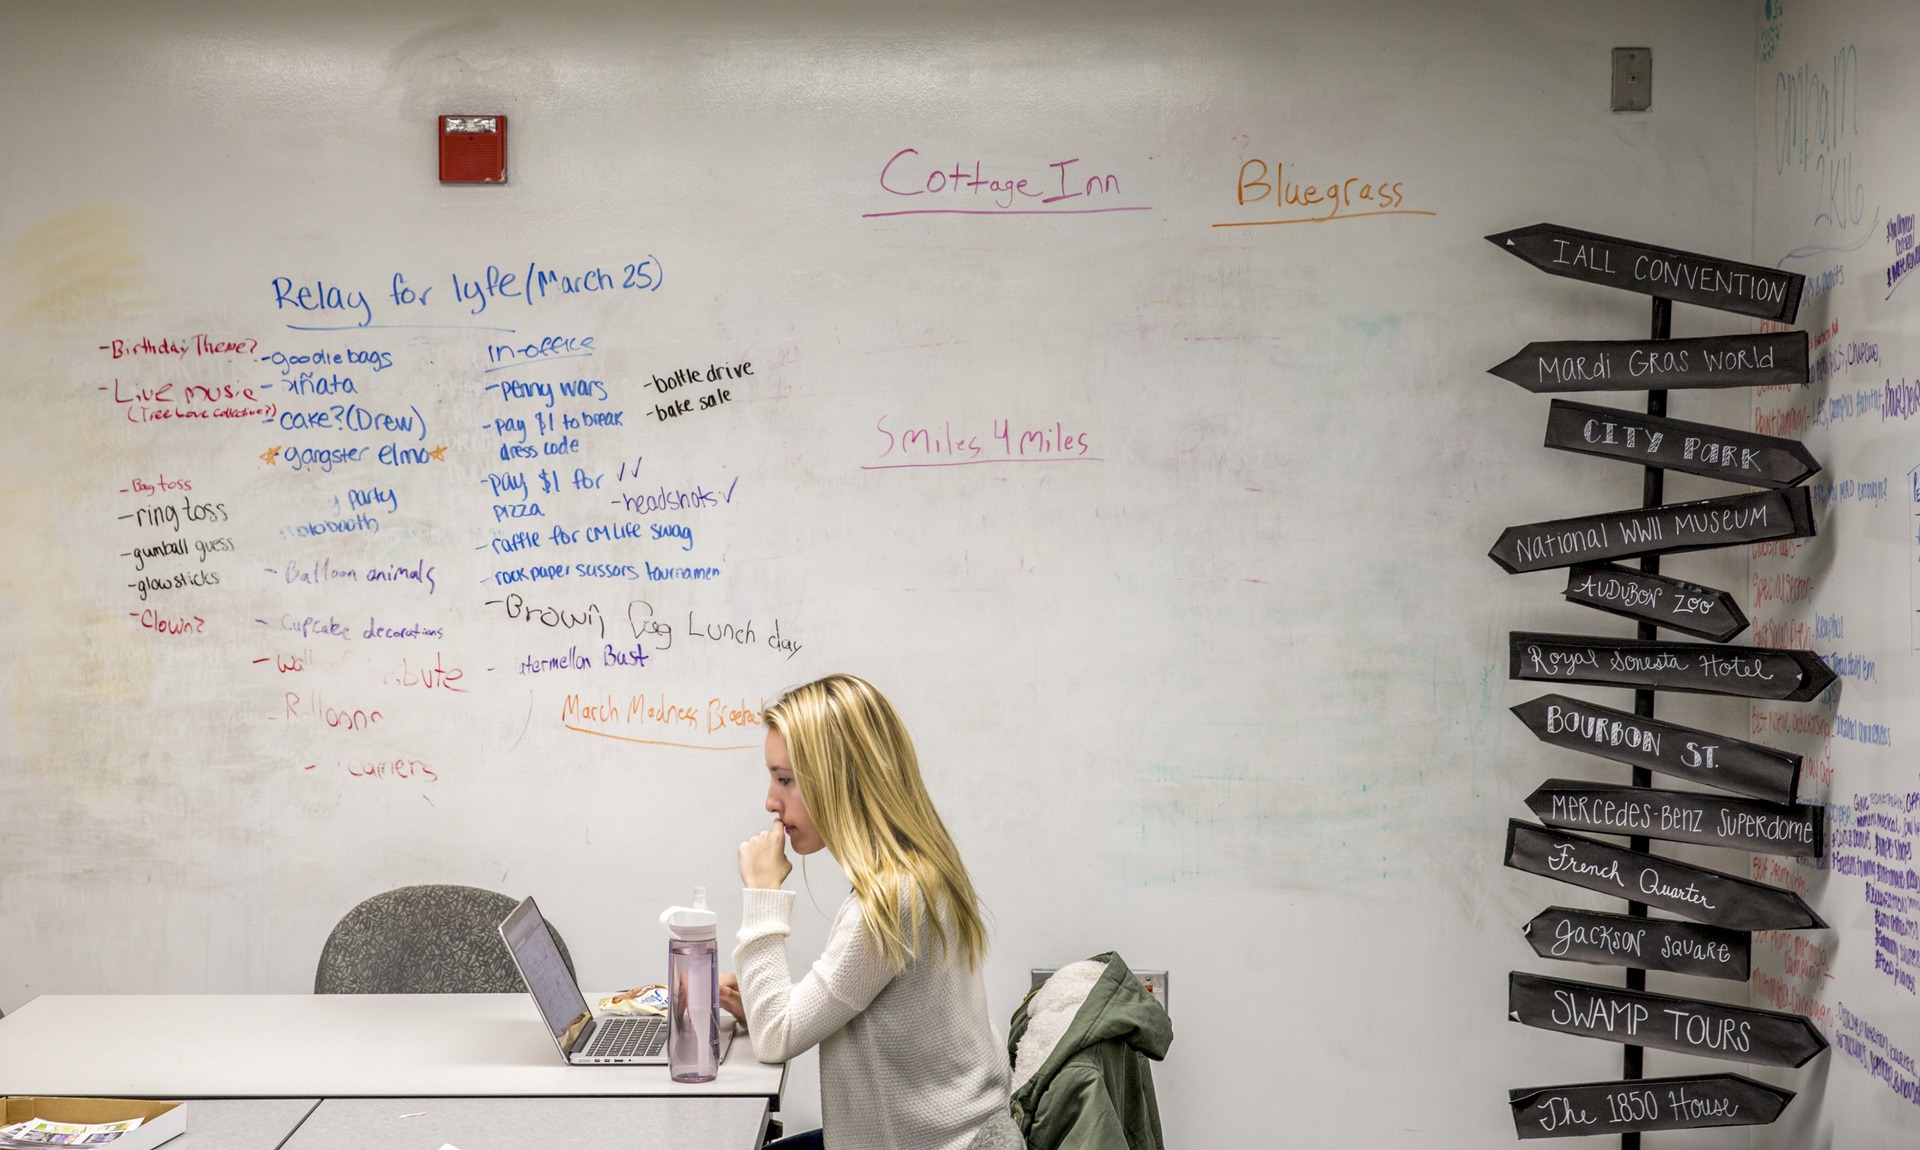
1677 445
1726 906
1770 360
1704 895
1682 816
1669 748
1782 673
1766 1037
1696 526
1639 595
1645 1104
1745 289
1643 943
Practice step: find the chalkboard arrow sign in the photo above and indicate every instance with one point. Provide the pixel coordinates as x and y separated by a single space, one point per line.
1682 816
1645 1104
1723 522
1701 668
1642 943
1770 360
1677 445
1744 289
1662 1021
1682 752
1708 896
1703 611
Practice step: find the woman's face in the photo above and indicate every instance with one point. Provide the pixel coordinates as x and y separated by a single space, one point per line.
784 801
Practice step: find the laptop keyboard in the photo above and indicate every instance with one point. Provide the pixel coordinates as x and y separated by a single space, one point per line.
640 1036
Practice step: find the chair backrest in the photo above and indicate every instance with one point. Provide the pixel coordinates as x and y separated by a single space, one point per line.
424 940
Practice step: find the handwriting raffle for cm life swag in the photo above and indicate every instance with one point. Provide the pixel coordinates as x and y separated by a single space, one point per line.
1726 907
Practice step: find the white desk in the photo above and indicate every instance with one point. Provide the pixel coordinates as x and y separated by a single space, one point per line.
241 1123
321 1046
517 1123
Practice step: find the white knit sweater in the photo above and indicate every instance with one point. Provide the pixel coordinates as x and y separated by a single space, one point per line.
908 1061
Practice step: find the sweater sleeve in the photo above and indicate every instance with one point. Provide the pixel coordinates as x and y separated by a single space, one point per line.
784 1017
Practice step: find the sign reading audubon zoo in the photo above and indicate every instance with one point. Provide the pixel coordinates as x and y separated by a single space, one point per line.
1768 1037
1677 445
1704 611
1749 672
1744 289
1642 943
1682 816
1708 896
1669 748
1645 1104
1771 359
1696 526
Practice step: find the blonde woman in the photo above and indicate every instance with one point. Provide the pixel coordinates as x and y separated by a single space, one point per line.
908 1058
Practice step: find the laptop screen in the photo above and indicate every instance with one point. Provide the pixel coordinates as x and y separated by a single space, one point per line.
546 974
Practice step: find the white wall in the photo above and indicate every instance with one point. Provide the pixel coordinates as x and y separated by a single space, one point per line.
1230 701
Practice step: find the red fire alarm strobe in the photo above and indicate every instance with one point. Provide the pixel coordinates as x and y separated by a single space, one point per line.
473 149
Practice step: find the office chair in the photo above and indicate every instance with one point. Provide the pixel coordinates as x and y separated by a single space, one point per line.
424 940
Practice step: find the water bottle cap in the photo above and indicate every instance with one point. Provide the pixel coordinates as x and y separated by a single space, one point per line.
692 923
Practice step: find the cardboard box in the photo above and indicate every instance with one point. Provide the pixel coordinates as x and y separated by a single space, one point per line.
163 1120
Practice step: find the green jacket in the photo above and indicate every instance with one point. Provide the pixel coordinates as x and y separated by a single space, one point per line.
1095 1090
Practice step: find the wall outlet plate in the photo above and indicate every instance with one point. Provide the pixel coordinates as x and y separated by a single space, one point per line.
1155 982
1632 79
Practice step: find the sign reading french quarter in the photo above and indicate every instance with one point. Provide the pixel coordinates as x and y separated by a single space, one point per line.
1708 896
1770 360
1645 1104
1768 1037
1744 289
1704 611
1682 816
1677 445
1724 522
1781 673
1682 752
1642 943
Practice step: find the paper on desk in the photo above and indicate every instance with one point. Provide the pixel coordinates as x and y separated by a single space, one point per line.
38 1133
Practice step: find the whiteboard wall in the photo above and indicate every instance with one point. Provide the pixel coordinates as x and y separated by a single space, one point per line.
1164 526
1834 201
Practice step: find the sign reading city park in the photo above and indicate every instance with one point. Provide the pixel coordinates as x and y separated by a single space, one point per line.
1703 523
1704 895
1772 359
1779 673
1642 943
1767 1037
1677 445
1704 611
1682 816
1744 289
1668 748
1645 1104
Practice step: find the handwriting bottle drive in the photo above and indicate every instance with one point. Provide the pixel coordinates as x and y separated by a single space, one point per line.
693 990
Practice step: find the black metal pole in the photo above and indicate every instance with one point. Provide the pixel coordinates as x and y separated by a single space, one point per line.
1652 494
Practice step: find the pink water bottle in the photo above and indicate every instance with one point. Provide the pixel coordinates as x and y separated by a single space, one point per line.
693 990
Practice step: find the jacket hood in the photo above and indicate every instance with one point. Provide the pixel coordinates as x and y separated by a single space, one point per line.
1117 1007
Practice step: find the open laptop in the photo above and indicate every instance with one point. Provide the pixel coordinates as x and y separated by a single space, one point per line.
618 1039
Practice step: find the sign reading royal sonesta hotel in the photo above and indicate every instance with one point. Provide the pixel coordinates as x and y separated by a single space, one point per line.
1745 289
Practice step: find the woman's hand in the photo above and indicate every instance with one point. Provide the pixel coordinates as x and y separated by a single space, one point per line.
763 859
730 996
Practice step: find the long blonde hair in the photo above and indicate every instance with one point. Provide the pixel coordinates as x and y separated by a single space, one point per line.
861 781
